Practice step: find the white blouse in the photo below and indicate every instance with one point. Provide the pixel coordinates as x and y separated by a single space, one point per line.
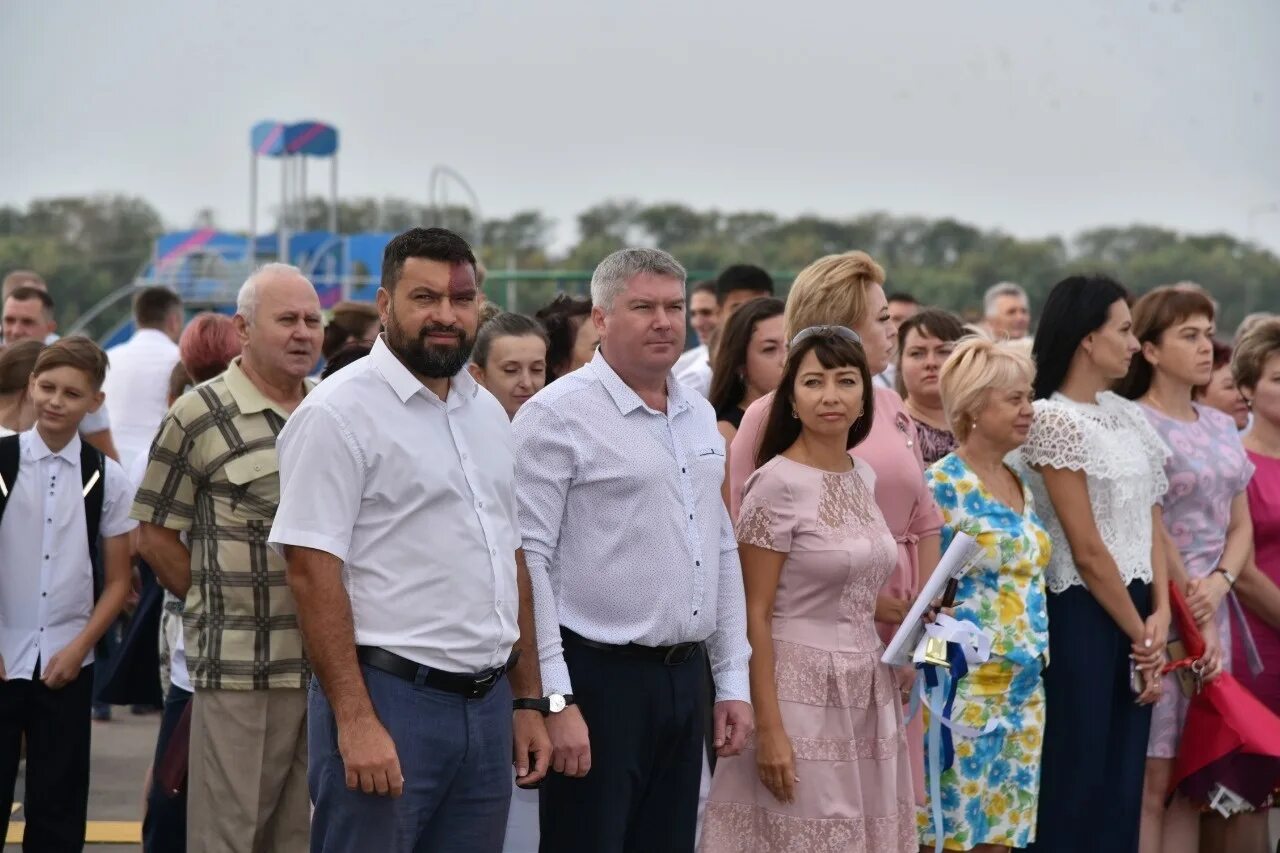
1123 459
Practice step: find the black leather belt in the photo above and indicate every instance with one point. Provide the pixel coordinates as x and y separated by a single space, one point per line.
666 655
471 686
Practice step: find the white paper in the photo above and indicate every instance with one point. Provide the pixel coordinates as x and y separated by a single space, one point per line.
960 555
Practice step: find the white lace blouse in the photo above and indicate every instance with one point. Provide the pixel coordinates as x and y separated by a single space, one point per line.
1122 457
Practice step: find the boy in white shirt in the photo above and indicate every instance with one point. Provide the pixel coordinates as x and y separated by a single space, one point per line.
63 505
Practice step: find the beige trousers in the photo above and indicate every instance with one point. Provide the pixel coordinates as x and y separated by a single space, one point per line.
247 782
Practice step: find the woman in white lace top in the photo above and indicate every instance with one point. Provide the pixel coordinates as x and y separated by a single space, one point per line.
1096 469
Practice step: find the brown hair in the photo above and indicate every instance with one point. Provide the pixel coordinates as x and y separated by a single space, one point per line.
934 322
728 379
1258 344
21 278
76 351
16 363
781 429
832 291
349 320
179 382
1154 314
153 305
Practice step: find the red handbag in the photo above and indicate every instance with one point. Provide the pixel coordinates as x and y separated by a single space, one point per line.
1230 740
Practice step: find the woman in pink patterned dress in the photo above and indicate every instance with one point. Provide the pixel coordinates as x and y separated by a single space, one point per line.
848 290
1205 513
827 768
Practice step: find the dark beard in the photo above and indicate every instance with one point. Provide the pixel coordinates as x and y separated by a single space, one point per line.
434 362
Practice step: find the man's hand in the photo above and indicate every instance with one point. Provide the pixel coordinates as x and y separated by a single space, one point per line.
734 723
64 667
570 744
1204 595
530 739
369 755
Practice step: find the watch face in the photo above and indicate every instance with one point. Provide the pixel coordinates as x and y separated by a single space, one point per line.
556 701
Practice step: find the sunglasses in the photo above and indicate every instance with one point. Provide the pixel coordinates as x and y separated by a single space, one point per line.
826 332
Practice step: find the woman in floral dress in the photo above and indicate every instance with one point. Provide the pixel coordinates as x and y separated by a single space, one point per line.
989 793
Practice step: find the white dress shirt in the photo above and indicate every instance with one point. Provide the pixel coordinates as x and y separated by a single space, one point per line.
137 387
694 369
417 496
625 533
46 586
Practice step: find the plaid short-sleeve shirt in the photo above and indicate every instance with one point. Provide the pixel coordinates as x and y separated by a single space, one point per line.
213 473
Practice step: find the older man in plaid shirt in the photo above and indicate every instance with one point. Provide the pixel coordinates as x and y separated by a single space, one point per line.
213 476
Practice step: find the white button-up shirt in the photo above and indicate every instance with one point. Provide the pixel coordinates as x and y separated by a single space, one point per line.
625 533
137 388
417 496
693 368
46 579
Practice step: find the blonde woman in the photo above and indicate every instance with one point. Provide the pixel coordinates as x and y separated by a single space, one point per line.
989 793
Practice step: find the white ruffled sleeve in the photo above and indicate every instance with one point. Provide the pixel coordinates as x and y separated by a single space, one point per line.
1057 439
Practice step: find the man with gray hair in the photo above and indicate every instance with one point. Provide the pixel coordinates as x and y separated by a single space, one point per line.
635 574
1007 311
206 504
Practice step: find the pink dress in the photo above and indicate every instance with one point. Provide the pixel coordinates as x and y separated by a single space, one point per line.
1207 470
893 452
839 704
1264 508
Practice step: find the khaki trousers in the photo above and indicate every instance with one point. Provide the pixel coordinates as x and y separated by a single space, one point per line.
247 782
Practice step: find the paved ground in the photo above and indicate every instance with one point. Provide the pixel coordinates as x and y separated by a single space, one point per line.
122 752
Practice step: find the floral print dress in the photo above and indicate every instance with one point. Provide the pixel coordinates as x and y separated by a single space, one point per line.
989 794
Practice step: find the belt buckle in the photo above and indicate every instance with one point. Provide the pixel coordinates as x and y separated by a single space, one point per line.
683 651
484 683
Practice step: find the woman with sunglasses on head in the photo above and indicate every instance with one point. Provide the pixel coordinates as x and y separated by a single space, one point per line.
848 290
829 767
1096 471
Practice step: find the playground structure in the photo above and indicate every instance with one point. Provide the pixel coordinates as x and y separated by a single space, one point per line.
206 266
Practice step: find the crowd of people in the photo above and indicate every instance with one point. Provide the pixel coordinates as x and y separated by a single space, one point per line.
433 576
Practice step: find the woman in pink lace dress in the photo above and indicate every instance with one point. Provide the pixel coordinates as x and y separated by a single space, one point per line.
827 767
848 290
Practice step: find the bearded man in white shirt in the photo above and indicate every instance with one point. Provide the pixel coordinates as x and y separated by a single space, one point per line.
398 517
635 574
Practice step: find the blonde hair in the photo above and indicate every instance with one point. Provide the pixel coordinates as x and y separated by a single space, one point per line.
978 365
1251 353
832 291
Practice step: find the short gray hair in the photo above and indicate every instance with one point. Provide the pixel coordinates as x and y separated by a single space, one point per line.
247 298
613 273
995 291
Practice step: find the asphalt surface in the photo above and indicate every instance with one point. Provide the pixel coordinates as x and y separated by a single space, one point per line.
122 750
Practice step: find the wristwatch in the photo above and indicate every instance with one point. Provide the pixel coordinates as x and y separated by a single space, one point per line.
551 704
1231 579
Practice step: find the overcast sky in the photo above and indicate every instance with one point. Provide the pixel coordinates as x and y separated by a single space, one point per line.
1036 118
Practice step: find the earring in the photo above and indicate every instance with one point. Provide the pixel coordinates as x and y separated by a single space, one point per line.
795 414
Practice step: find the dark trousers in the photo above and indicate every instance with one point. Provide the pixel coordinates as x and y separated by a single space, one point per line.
646 724
165 826
1095 741
56 725
455 754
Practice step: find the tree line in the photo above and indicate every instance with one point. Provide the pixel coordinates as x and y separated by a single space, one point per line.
88 246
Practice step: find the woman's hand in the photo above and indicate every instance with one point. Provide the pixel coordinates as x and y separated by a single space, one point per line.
891 610
1211 660
1148 650
776 763
1204 596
